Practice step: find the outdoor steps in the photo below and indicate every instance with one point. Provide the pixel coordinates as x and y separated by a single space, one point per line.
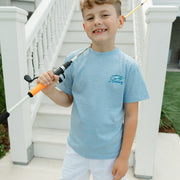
49 143
52 124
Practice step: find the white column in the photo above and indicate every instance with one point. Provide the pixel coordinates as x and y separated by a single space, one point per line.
12 39
5 3
159 22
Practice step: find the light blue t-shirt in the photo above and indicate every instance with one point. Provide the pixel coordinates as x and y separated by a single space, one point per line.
100 84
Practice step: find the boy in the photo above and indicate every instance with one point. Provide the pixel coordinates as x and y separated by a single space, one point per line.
104 85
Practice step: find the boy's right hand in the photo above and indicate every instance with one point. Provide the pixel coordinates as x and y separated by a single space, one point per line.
49 80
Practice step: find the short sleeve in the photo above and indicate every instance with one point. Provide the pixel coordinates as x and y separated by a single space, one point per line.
135 88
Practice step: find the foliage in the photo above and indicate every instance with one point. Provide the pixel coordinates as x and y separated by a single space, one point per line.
2 94
4 138
170 114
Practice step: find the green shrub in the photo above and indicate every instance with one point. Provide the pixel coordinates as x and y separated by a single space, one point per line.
4 138
2 94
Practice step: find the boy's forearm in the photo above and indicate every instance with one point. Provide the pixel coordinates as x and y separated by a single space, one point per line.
130 126
60 97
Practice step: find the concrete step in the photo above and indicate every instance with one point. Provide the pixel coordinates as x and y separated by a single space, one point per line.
49 143
81 37
53 116
43 168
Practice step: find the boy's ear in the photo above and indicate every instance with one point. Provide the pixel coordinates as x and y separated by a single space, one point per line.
84 26
121 21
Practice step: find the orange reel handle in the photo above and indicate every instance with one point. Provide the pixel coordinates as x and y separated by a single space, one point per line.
36 89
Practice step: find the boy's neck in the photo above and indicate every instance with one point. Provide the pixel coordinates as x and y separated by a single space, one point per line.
102 47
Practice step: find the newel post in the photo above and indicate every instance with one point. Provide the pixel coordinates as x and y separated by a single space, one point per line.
12 39
159 21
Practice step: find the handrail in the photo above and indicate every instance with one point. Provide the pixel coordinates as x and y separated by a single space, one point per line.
36 21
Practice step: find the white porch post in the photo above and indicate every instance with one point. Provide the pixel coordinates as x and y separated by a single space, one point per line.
159 22
5 3
12 39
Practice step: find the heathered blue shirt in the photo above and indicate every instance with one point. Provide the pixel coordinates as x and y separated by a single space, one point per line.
101 82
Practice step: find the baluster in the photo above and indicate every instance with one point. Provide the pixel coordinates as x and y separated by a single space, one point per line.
35 58
52 27
64 14
56 23
45 49
40 52
49 38
59 17
29 63
62 9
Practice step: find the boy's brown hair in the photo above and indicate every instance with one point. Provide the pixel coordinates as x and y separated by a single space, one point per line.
90 3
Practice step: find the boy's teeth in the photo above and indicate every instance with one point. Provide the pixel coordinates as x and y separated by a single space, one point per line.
100 30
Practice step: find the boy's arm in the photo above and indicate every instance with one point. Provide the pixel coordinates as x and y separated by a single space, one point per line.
50 81
60 97
130 124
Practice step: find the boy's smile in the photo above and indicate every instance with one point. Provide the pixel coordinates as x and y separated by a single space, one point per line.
99 30
101 24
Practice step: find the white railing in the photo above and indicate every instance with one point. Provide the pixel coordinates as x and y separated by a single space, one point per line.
152 29
29 48
45 32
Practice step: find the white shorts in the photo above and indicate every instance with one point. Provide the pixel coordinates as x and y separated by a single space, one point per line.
76 167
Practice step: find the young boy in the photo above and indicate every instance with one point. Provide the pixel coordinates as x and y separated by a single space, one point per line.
104 85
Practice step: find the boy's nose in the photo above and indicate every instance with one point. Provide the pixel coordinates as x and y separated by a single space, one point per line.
97 21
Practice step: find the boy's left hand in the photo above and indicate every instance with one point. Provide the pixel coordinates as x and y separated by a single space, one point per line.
120 168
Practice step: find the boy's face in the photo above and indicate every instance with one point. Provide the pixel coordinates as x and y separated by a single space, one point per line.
101 24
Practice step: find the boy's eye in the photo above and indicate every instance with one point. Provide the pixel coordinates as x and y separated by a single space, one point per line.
90 18
105 15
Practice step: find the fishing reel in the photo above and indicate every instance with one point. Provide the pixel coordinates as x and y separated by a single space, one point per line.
30 80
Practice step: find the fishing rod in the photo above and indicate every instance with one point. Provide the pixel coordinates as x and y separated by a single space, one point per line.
59 71
135 9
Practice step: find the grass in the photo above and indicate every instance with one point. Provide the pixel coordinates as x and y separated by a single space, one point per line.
170 115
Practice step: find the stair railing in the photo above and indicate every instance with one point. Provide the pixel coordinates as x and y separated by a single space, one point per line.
29 47
45 32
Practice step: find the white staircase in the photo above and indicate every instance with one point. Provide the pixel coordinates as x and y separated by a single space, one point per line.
52 124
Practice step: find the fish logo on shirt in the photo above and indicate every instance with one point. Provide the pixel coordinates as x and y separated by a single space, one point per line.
116 79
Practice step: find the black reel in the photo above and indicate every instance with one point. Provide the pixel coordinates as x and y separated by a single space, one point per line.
30 80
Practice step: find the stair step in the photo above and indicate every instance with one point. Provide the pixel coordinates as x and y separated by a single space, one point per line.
49 143
53 116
